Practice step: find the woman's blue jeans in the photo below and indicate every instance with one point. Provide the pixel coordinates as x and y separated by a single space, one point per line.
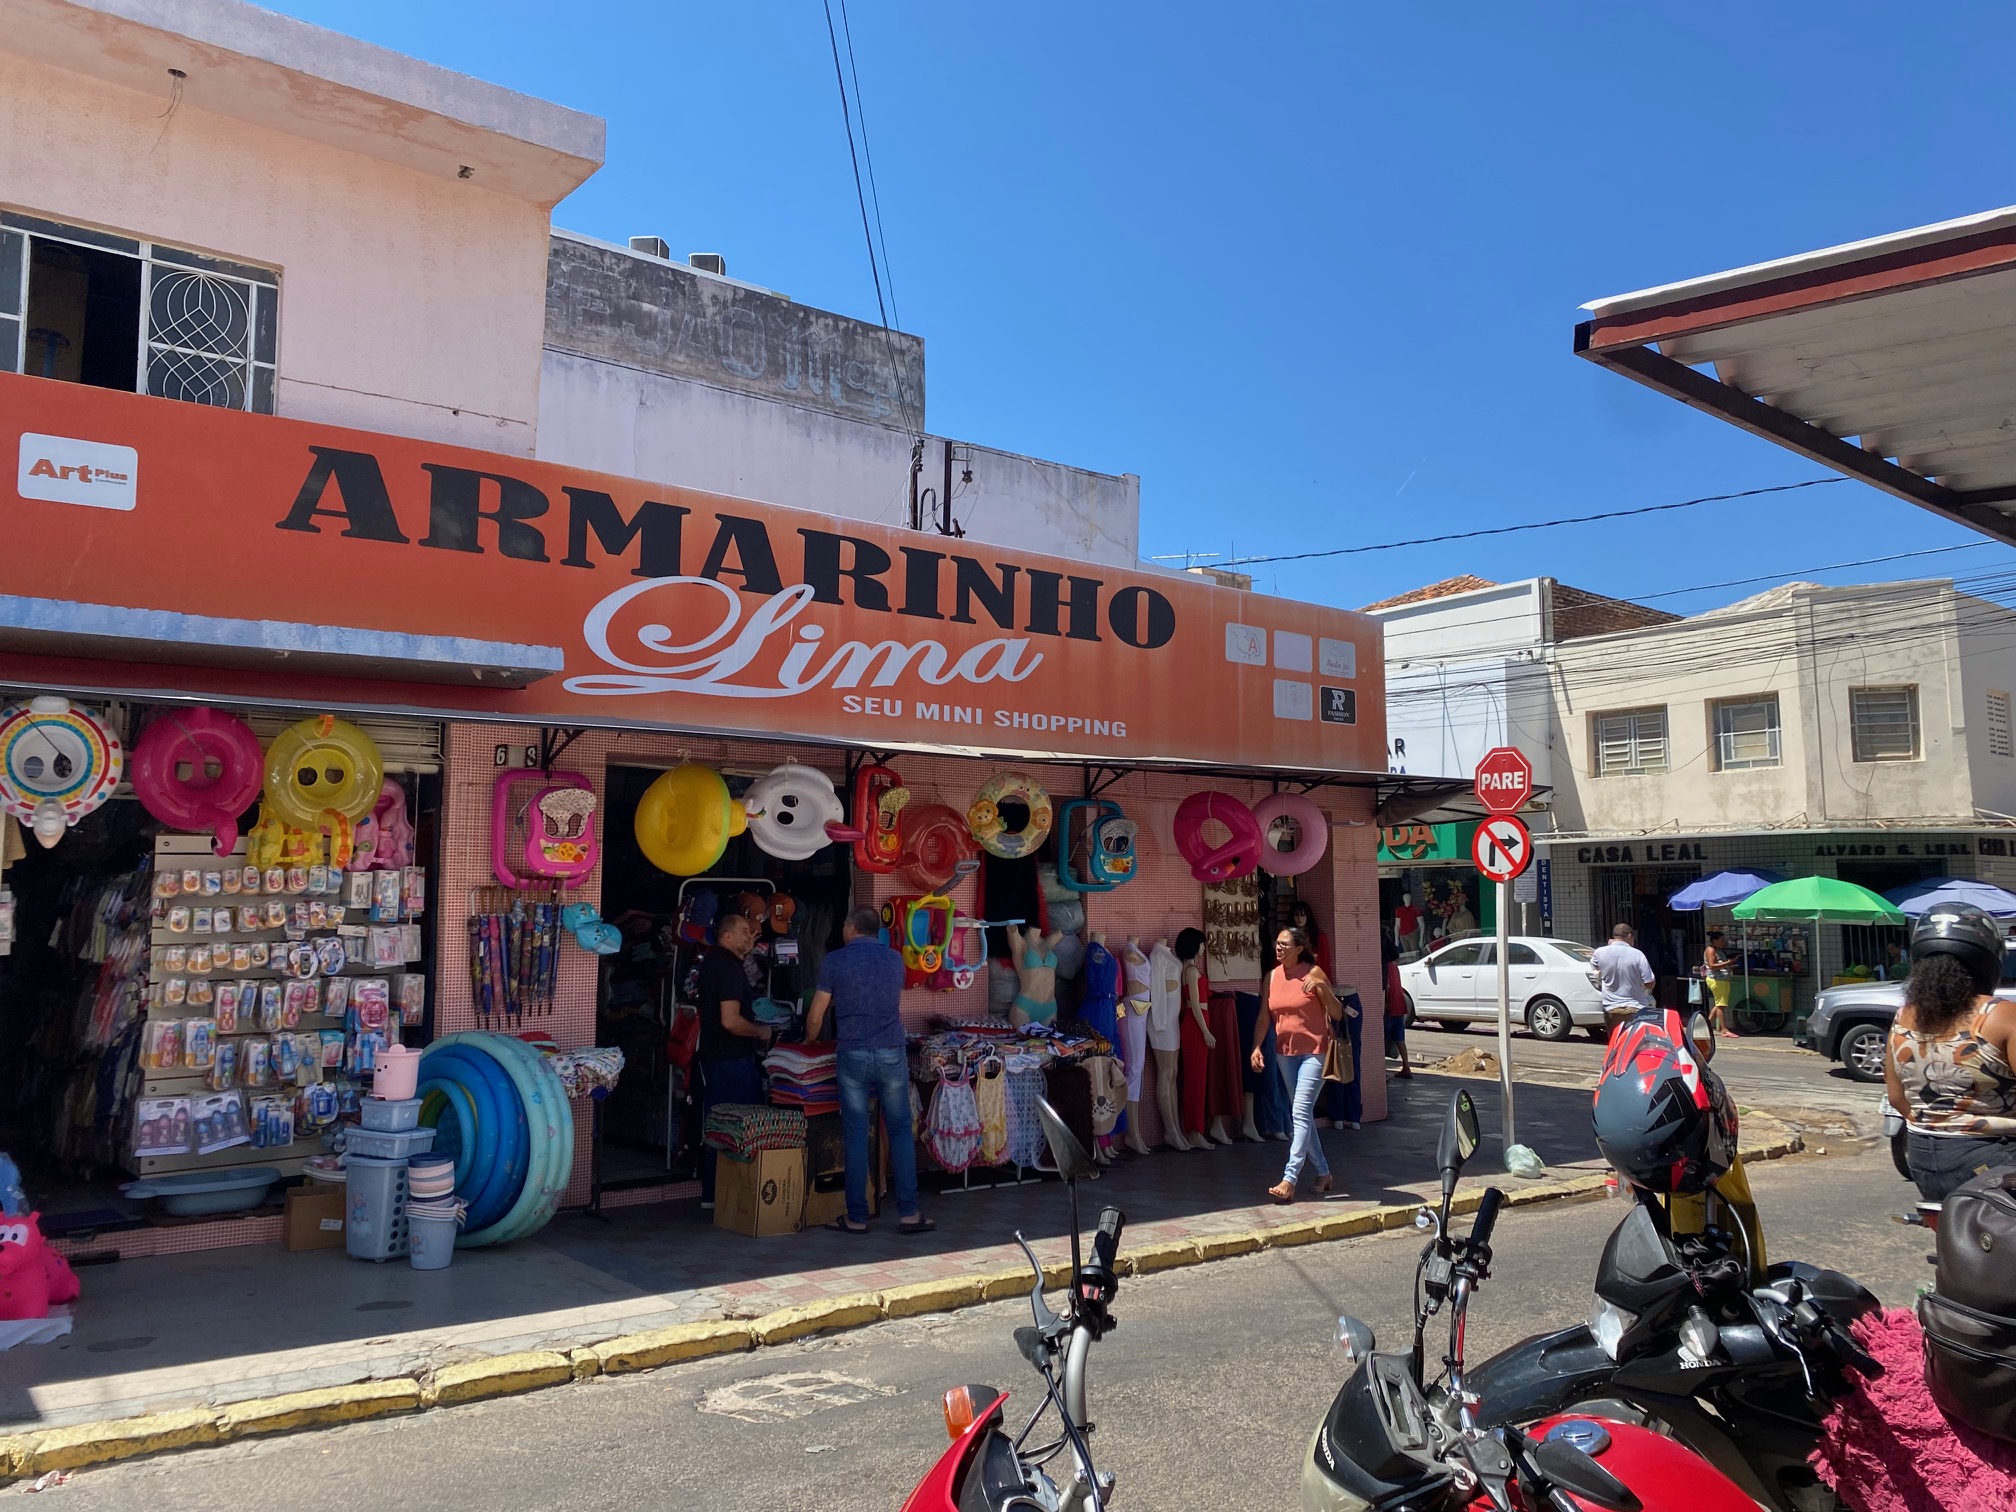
1303 1075
883 1075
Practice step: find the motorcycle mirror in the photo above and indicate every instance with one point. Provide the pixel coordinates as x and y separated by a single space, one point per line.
1073 1164
1701 1035
1460 1137
1565 1466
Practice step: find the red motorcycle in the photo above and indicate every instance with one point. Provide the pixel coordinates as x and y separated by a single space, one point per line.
1383 1448
985 1470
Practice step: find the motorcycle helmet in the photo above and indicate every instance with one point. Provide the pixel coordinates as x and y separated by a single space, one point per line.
1663 1120
1965 933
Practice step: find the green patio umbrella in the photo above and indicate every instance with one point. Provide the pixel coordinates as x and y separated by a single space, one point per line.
1819 899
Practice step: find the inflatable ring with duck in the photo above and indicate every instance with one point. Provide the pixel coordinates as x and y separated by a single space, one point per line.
321 763
794 813
195 741
686 819
983 816
57 764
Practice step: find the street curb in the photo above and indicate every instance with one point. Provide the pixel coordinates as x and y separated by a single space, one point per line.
88 1444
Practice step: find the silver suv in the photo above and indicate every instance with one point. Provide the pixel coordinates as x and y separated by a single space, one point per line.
1851 1024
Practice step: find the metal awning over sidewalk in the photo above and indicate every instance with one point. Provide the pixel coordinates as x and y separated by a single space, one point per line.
1890 360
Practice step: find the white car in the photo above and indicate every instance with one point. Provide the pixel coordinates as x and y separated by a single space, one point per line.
1554 988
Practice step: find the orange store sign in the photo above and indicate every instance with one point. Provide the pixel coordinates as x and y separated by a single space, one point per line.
665 607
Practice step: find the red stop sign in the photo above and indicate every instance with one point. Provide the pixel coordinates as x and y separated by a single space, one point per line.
1504 780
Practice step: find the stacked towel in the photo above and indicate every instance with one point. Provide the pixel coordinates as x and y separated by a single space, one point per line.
741 1130
806 1077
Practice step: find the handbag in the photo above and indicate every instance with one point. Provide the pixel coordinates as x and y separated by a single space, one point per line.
1337 1063
1969 1318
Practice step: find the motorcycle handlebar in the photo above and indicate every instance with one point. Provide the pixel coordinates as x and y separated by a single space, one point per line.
1106 1243
1487 1217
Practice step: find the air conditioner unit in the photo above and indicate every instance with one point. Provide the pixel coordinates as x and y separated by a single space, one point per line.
651 246
708 262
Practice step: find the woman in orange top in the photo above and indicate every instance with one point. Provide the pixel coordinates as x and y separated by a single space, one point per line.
1300 1005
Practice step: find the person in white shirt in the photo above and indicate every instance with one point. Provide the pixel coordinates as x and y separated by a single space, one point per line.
1623 974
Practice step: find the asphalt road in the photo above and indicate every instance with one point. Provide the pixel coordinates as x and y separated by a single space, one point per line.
1817 1095
1205 1395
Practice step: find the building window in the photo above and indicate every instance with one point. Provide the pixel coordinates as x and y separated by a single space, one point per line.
1746 733
2000 740
110 311
1884 723
1630 741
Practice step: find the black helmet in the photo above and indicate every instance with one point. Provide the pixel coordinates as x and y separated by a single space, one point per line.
1963 931
1664 1121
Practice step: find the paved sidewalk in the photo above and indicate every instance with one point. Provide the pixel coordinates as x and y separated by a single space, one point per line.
187 1335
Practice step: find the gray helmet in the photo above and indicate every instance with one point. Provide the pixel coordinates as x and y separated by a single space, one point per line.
1964 932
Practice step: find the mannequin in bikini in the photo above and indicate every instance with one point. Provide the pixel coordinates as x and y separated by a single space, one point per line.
1035 956
1134 1005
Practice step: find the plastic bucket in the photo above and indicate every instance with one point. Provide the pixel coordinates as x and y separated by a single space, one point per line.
398 1074
431 1242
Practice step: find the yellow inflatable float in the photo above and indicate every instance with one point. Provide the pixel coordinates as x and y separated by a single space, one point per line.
686 819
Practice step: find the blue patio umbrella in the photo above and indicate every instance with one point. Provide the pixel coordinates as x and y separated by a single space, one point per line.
1723 890
1914 898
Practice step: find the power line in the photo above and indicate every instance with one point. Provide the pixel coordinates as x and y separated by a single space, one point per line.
1496 530
861 198
868 156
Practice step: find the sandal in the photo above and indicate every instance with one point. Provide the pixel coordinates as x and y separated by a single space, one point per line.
1282 1192
918 1226
1321 1185
842 1226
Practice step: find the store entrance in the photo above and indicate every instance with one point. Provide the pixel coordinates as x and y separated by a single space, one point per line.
1637 896
650 1123
70 1011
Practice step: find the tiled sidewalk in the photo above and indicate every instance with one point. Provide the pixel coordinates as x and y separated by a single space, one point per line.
202 1330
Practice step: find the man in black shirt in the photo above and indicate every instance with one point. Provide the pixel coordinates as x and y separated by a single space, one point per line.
731 1041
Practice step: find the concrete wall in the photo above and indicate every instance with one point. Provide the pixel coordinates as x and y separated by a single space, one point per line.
638 423
1464 673
409 303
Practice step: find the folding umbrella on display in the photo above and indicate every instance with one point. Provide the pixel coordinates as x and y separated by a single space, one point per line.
1725 890
1915 898
1818 900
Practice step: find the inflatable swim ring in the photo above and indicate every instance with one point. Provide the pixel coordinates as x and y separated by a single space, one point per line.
686 819
321 763
984 819
1237 856
1312 831
794 812
198 769
935 840
57 764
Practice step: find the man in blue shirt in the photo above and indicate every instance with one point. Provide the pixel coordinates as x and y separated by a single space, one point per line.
861 985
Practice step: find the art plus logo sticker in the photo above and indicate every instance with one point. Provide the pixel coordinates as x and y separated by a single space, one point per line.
65 470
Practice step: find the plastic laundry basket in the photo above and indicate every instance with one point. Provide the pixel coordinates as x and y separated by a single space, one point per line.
431 1242
374 1194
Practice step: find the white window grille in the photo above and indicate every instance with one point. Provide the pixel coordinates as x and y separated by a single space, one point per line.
161 320
1630 742
1883 723
2001 742
1746 733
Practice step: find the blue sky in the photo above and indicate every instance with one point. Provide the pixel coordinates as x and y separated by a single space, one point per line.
1311 271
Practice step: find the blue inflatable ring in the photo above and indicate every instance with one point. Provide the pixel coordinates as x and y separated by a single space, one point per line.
501 1134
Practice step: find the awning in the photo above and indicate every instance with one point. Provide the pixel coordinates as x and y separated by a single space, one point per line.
1889 360
59 627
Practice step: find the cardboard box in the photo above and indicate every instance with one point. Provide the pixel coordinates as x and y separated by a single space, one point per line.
314 1218
763 1196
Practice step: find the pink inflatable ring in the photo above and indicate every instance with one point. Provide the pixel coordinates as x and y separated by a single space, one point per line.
1312 828
198 769
1237 856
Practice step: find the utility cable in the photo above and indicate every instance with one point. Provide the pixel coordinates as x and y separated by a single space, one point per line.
1497 530
868 157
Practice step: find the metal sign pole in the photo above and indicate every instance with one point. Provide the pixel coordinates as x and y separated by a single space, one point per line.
1505 1013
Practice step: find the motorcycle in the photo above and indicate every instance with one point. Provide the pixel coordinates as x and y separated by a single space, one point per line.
1384 1445
1681 1343
984 1470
